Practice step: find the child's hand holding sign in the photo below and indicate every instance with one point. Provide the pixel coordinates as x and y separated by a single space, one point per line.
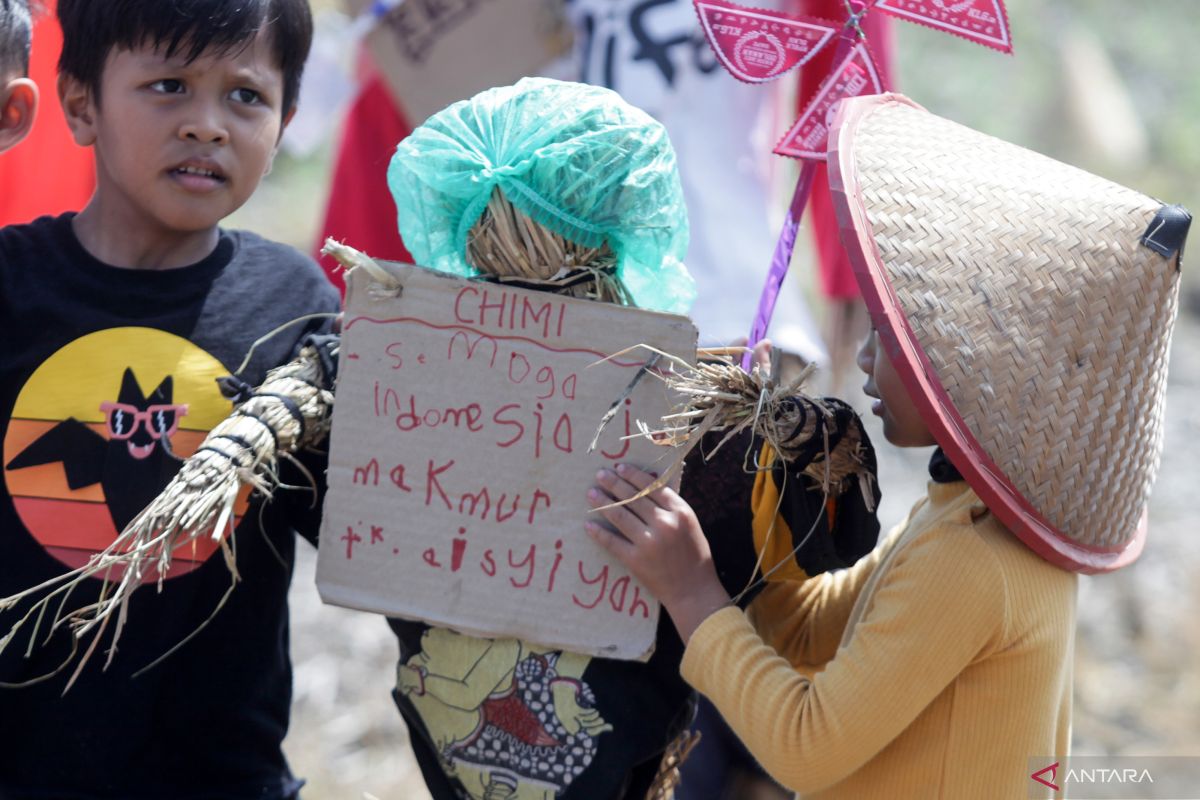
659 540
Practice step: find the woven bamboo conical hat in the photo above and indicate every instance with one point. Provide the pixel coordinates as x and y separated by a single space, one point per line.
1028 308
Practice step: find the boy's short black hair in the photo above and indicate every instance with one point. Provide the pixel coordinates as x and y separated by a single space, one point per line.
16 36
93 28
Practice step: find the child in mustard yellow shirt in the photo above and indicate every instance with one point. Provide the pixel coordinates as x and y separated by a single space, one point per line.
1022 313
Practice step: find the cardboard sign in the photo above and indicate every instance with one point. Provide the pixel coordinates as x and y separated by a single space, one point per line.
856 75
435 53
984 22
758 45
459 461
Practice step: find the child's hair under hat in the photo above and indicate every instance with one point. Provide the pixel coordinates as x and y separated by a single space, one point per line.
93 28
16 36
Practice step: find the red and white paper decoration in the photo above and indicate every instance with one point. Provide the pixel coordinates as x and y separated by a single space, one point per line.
984 22
757 45
855 75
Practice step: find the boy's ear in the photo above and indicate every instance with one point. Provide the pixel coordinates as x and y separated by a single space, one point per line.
18 107
76 101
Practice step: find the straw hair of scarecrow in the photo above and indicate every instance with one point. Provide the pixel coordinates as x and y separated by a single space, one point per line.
292 410
512 248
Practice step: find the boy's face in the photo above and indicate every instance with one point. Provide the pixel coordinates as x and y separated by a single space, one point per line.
902 424
178 146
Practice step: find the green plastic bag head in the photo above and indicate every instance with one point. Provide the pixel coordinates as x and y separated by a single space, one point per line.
577 159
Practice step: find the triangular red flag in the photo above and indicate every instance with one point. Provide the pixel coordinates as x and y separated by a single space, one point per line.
984 22
855 75
758 45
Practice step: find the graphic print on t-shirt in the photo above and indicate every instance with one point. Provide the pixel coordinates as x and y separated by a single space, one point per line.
98 430
508 719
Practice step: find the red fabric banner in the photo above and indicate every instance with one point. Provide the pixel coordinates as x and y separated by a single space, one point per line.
360 211
837 278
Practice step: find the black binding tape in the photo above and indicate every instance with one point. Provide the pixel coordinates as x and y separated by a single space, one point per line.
291 406
1168 231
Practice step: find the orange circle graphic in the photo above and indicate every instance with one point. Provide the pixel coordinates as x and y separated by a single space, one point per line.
99 429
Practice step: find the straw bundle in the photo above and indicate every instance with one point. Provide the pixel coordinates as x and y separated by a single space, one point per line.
291 410
509 247
668 776
719 396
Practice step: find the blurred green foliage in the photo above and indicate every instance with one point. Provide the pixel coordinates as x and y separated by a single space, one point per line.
1154 46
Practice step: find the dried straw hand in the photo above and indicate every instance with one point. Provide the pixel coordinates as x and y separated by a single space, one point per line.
719 396
290 411
668 776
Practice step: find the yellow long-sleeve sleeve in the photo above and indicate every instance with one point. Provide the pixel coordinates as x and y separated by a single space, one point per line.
953 670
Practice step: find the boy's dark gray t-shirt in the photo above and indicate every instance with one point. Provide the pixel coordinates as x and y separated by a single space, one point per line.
99 365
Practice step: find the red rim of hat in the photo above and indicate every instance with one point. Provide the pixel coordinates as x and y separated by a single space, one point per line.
919 377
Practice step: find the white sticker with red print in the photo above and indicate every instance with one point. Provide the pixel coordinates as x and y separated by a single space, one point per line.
982 21
758 45
855 75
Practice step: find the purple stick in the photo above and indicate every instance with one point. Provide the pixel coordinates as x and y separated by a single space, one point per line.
782 257
780 260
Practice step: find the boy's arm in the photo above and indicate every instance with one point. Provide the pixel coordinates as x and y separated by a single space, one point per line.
941 605
300 508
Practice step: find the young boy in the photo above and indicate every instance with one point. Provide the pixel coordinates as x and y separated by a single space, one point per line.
114 324
1022 311
18 94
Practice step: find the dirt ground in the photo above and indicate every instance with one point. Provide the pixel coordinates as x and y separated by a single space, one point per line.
1137 683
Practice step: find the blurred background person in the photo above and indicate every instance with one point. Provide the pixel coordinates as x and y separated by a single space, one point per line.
49 174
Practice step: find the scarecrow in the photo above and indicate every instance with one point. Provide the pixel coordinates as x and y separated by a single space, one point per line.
566 188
